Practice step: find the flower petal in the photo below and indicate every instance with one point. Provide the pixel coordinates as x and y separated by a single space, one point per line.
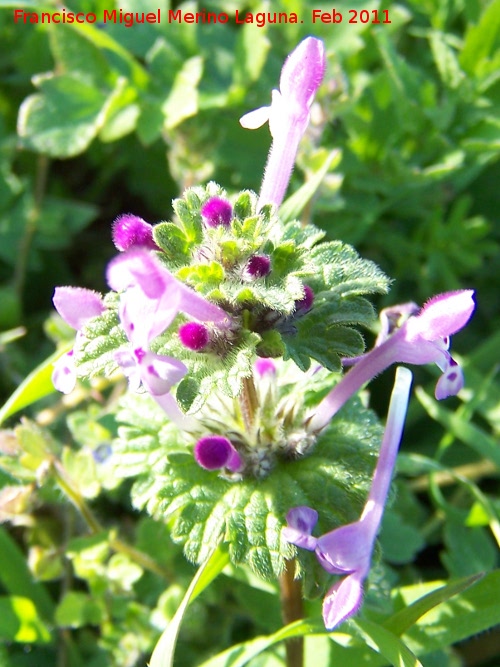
77 305
347 548
442 316
343 600
301 522
64 373
450 382
256 118
160 373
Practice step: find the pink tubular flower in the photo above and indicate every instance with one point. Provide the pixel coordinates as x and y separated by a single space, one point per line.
288 115
76 306
151 299
422 339
347 550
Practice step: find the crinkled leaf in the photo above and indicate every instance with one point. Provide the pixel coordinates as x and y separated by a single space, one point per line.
204 507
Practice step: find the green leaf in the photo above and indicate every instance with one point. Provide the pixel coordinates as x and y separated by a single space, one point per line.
464 615
78 609
468 433
252 47
342 271
204 507
17 579
182 101
19 621
318 340
403 620
468 549
35 386
386 643
296 203
65 117
173 241
481 38
163 654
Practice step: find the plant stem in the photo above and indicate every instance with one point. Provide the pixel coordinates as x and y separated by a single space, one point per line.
249 403
42 171
292 610
115 543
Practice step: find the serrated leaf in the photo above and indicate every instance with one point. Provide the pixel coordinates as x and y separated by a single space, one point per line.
245 205
343 271
173 241
203 507
318 339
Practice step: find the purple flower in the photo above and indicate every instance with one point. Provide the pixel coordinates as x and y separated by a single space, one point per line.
151 299
258 266
347 550
214 452
264 366
130 231
76 306
302 306
288 115
216 211
194 336
421 339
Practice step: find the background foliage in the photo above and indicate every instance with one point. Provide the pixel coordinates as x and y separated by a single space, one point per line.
95 121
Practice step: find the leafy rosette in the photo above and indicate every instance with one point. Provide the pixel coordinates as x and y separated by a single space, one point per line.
286 292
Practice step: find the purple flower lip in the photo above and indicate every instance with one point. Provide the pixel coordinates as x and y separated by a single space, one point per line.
216 211
130 231
194 336
214 452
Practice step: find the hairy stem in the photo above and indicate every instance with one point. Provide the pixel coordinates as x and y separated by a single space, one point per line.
292 610
249 403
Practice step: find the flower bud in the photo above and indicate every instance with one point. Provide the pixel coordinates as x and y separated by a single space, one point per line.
303 305
216 211
214 452
258 266
130 231
264 367
194 336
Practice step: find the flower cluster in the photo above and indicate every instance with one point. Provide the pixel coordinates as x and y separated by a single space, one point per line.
214 308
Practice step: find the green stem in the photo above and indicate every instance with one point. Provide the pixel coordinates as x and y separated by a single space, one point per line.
249 403
32 218
115 543
292 610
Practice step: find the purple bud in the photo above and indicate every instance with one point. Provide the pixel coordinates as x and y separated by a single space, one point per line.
305 304
130 231
216 211
214 452
265 367
258 266
194 336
